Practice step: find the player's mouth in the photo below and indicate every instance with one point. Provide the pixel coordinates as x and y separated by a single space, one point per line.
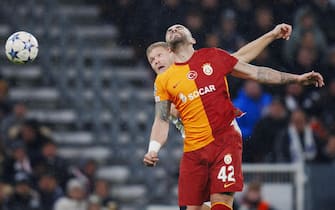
161 68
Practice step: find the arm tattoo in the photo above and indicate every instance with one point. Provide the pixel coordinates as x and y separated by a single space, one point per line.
163 110
263 75
286 78
271 76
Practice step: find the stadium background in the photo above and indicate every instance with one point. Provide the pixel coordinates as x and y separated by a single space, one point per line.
88 96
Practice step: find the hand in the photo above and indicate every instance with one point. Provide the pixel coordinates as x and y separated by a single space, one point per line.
311 78
150 159
282 31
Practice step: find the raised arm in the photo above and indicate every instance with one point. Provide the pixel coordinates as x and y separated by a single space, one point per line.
251 50
159 132
271 76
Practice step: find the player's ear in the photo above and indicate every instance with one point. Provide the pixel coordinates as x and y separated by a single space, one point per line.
169 49
193 41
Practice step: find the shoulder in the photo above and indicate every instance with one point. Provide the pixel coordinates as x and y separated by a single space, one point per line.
166 74
213 50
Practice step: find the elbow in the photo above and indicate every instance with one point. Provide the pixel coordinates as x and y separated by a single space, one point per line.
241 57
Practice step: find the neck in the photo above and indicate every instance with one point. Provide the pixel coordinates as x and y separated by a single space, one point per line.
183 53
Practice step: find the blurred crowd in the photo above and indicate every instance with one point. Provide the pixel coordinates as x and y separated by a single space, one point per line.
283 123
288 123
33 176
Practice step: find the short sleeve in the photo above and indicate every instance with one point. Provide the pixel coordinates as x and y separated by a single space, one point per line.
226 60
160 92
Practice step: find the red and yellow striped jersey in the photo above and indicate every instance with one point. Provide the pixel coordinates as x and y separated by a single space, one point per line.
199 89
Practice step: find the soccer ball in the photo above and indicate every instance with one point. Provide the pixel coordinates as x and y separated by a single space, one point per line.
21 47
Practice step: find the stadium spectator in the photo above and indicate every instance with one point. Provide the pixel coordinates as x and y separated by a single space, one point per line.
169 12
263 21
195 21
295 97
2 158
5 191
325 14
24 196
5 104
212 40
211 10
49 190
230 39
17 161
304 22
118 13
284 10
327 105
260 148
94 203
75 198
86 173
329 65
102 190
11 124
306 58
252 100
245 11
252 198
50 162
30 133
297 142
327 151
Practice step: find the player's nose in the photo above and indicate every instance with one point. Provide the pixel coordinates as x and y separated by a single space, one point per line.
156 61
174 29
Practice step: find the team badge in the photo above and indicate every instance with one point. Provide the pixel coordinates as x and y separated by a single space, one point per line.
192 75
207 69
228 159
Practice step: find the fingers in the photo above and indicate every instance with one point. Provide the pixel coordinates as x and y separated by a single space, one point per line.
286 31
315 79
320 82
150 159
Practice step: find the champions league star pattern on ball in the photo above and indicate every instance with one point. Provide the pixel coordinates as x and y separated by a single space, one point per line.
21 47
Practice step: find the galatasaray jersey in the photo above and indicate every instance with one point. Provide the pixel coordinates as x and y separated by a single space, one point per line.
199 90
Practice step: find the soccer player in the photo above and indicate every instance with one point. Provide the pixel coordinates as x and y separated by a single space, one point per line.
196 84
160 56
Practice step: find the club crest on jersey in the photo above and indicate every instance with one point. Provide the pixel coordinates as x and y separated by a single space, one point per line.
227 159
207 69
192 75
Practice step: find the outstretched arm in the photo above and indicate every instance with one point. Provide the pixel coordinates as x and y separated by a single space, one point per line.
159 132
251 50
271 76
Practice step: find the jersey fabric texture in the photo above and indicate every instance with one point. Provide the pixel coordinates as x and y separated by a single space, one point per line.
199 90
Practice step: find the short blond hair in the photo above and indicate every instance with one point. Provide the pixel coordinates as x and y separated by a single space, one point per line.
155 45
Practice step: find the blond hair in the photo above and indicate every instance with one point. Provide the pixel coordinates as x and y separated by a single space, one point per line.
155 45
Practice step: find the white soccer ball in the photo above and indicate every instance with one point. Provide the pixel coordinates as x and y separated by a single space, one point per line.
21 47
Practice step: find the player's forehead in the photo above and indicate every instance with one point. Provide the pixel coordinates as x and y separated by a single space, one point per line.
157 50
176 26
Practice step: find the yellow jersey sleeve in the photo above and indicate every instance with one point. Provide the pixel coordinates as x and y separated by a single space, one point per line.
160 90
